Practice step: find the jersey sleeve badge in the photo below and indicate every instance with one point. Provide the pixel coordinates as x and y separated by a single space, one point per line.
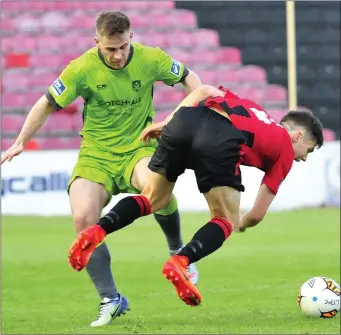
176 68
58 87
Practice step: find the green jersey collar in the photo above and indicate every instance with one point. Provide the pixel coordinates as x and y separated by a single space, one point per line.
131 53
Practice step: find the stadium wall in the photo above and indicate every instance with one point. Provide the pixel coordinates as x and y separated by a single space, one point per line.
35 183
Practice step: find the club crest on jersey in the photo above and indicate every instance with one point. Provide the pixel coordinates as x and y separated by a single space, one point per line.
136 85
58 87
176 68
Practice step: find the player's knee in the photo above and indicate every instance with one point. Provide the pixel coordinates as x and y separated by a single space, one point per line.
83 219
231 216
157 201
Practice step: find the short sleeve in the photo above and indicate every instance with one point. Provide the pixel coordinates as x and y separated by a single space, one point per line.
169 70
65 88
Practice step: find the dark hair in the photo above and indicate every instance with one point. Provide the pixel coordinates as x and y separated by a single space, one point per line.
308 121
112 23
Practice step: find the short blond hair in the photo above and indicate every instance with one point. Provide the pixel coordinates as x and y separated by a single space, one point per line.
112 23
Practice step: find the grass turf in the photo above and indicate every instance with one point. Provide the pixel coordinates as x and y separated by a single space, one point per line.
249 286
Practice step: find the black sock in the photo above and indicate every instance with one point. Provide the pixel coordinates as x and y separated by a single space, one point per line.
170 225
207 239
125 212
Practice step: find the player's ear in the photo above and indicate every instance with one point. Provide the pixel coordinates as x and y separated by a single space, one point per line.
131 34
297 135
96 40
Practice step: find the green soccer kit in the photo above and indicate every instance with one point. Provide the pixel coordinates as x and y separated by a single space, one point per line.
118 106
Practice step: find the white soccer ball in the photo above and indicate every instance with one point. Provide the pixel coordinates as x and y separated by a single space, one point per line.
320 297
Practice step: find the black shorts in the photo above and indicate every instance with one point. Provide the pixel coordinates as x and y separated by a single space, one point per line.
202 140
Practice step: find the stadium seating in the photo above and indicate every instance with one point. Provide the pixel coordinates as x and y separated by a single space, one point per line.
34 36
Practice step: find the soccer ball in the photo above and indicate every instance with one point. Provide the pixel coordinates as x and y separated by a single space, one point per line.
319 297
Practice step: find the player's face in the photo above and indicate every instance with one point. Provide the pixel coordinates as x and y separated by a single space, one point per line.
115 49
302 145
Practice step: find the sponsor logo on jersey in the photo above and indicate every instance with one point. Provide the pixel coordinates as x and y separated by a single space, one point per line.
102 86
102 103
176 68
58 87
136 85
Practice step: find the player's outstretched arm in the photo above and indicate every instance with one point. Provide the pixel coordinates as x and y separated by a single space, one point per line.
35 119
199 94
263 200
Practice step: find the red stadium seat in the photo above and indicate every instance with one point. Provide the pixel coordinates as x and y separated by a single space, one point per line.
82 21
182 39
252 74
55 143
207 38
7 44
41 82
209 77
59 123
26 43
140 6
205 59
77 122
275 94
229 56
54 22
17 60
12 101
181 56
160 116
329 135
48 43
11 124
156 40
184 19
74 142
28 24
228 77
46 60
16 82
161 5
140 23
276 114
7 25
6 143
254 94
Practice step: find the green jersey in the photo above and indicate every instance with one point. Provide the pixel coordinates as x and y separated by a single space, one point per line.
118 103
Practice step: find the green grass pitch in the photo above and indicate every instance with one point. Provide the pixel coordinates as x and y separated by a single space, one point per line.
249 286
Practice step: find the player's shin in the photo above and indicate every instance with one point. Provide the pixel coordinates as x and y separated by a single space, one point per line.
169 221
207 239
125 212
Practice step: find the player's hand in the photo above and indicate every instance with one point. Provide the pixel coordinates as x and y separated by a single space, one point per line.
152 131
15 150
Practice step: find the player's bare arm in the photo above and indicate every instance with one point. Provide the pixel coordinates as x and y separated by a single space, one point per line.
263 201
199 94
35 119
191 82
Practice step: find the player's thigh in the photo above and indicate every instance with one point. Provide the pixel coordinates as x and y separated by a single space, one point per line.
171 157
140 171
87 199
224 201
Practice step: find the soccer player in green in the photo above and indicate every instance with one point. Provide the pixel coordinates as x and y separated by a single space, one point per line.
116 80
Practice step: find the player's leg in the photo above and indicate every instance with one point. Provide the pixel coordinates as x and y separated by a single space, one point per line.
165 167
168 217
156 195
215 160
89 190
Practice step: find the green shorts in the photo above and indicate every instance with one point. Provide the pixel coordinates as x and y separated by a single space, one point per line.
113 171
